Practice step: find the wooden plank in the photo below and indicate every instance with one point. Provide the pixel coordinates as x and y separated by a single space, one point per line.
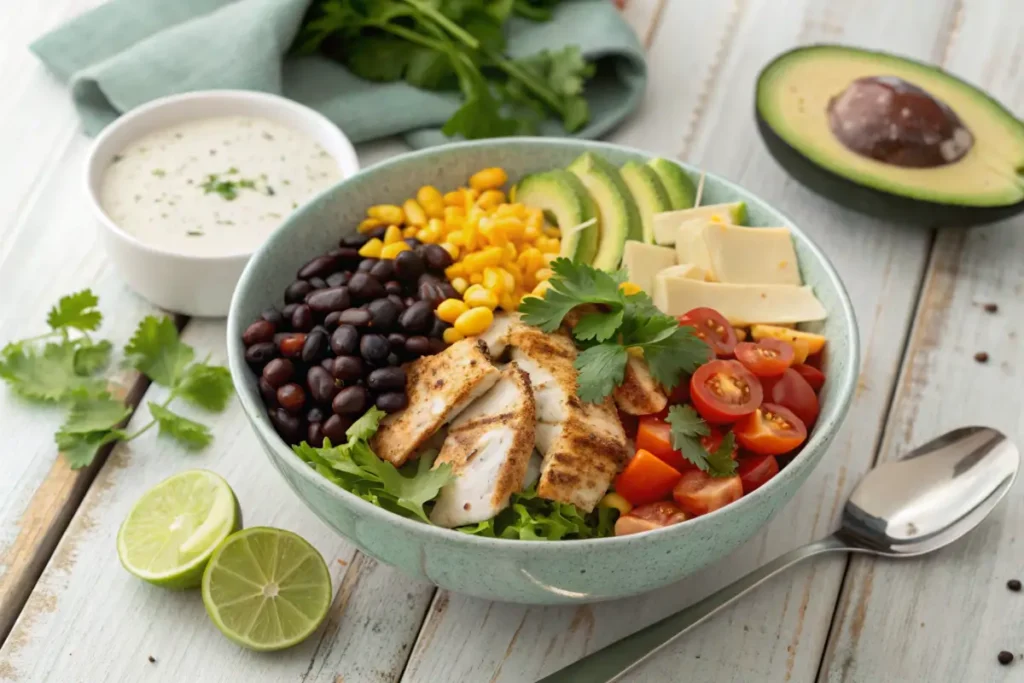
779 632
895 619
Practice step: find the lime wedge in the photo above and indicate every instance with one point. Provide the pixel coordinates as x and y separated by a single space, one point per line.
266 589
173 529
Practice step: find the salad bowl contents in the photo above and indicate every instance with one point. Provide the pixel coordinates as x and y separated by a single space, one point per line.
556 349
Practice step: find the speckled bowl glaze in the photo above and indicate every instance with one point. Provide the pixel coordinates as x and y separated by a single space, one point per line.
524 571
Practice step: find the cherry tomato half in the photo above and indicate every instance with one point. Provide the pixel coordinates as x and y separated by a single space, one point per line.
698 493
792 391
814 376
766 358
756 470
713 328
647 517
723 391
645 479
770 430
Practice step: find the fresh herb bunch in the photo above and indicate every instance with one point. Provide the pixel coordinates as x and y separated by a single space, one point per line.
687 430
449 44
63 366
618 323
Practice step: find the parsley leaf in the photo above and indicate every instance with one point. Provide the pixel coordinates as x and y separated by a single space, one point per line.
600 369
191 434
156 351
207 386
688 428
77 311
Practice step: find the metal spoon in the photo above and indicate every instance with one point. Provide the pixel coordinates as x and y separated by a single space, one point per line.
902 508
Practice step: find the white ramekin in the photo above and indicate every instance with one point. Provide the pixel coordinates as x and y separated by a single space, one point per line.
194 285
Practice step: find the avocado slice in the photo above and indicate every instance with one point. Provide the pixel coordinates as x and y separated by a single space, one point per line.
618 216
682 193
891 137
562 195
648 193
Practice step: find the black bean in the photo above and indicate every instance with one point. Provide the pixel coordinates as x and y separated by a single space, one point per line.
317 283
273 316
393 287
360 317
260 354
436 257
374 348
396 342
327 364
365 287
331 319
409 301
378 233
302 318
338 279
316 414
365 265
438 327
383 270
431 293
278 371
321 266
412 242
392 402
315 347
297 291
348 368
1005 657
321 384
329 300
291 397
386 379
287 425
437 346
397 301
355 240
315 435
409 266
350 401
287 311
1014 585
260 331
449 291
334 428
269 392
345 340
291 345
417 346
384 314
418 318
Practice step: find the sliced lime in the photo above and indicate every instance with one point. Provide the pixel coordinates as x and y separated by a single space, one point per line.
175 526
266 589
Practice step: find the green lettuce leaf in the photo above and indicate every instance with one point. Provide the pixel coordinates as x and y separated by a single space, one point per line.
531 518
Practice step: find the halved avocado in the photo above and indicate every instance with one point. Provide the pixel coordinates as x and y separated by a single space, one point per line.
649 194
891 137
682 193
618 215
562 195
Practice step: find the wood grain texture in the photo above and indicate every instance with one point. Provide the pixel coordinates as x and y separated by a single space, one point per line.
946 617
779 632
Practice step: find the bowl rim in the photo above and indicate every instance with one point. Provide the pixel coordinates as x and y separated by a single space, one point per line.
348 161
256 413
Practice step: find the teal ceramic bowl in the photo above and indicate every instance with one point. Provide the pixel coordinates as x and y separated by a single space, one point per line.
524 571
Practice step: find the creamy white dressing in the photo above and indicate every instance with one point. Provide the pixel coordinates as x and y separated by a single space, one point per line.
214 186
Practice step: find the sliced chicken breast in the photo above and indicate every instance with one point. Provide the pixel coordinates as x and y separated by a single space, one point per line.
497 335
439 387
639 394
489 447
583 444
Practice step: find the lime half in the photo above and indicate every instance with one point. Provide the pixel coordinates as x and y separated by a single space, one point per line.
266 589
173 529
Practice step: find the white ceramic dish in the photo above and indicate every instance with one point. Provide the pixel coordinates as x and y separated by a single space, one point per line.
194 285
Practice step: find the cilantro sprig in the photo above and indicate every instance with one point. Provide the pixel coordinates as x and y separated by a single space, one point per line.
619 322
688 429
63 365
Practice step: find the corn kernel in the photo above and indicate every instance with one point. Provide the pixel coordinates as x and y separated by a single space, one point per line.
452 250
531 233
389 213
550 258
456 238
542 274
392 250
510 254
488 179
494 281
452 335
371 249
476 295
617 502
428 236
474 321
630 288
453 214
450 309
470 235
455 198
469 196
459 284
431 200
437 225
495 235
476 278
512 226
490 199
392 234
541 288
534 218
508 278
551 231
369 224
550 246
508 302
512 194
410 231
414 213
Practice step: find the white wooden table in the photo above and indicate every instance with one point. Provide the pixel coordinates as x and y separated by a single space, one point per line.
69 613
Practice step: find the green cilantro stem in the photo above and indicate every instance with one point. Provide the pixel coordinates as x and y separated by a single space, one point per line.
445 23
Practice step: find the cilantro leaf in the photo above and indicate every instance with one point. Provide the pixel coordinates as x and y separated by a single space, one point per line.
207 386
46 376
721 462
688 428
192 434
92 357
600 369
156 351
676 355
572 284
93 414
598 326
366 426
81 449
77 311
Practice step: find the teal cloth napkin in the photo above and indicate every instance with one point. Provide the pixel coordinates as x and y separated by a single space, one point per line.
128 52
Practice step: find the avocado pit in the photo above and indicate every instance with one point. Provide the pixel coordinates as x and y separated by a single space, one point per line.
893 121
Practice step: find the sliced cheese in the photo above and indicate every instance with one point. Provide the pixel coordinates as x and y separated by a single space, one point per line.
691 247
754 256
666 222
643 261
741 304
683 271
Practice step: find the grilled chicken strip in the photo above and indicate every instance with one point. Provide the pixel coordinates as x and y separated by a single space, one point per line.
583 444
489 447
439 387
639 394
496 336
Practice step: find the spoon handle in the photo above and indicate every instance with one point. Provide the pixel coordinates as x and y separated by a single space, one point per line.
611 662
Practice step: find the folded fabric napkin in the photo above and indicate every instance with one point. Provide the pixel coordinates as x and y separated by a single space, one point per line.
128 52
